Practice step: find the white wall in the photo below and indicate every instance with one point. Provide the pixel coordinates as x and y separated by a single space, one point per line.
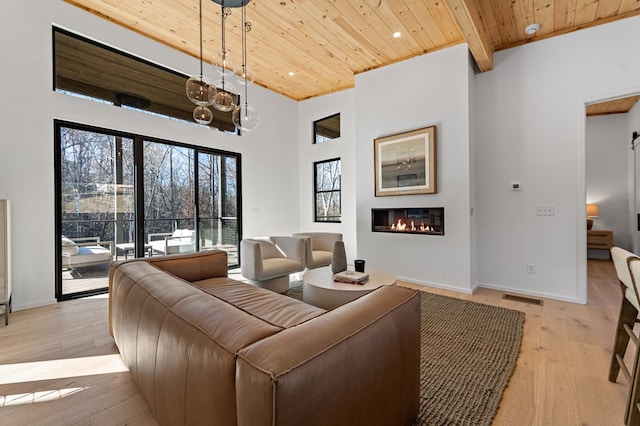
343 148
530 127
633 125
428 90
473 170
607 150
29 106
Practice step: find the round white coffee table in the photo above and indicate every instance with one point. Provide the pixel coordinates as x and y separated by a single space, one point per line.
320 290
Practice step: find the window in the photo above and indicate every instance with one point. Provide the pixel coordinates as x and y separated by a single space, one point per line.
94 71
326 128
123 195
327 190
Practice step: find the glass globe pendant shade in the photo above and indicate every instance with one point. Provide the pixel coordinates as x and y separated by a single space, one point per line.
245 76
202 114
227 65
225 99
245 117
200 91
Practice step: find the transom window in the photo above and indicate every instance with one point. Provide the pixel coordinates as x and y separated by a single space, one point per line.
94 71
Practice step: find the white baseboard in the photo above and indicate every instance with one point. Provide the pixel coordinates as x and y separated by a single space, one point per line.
20 307
531 293
436 285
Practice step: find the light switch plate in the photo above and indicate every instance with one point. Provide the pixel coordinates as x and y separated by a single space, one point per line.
546 210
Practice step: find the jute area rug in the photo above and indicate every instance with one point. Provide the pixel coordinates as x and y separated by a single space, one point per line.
469 351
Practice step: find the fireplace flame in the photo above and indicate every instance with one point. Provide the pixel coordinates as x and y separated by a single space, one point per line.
401 226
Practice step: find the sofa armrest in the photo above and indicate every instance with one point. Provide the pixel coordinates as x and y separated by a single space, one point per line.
356 364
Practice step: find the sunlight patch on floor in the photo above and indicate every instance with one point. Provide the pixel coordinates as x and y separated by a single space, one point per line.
61 368
41 396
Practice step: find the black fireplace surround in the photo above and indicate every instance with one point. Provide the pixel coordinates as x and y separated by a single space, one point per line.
410 220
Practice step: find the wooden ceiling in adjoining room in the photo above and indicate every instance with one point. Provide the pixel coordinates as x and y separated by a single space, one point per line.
615 106
325 43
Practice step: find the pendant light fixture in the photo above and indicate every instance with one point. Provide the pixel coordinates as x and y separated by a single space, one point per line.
245 117
199 89
221 94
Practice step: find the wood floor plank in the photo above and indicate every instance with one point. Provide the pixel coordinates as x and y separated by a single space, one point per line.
560 377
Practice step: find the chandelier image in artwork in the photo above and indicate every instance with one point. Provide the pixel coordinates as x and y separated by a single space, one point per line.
221 94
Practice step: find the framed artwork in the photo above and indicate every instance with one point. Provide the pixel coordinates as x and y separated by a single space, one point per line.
405 163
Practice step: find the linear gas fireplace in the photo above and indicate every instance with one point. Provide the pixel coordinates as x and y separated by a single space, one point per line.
413 220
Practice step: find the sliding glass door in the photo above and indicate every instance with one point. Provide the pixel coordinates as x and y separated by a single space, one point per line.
121 196
95 205
169 198
218 203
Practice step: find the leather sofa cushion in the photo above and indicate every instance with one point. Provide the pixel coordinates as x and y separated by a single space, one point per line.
283 312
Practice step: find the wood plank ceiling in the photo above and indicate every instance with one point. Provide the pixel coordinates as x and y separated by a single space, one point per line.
307 48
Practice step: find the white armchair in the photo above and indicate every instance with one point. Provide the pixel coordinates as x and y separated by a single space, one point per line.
268 261
319 247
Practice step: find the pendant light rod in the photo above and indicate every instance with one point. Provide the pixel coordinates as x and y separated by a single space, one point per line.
244 52
201 71
224 44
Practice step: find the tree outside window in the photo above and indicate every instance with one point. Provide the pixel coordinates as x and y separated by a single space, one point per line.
327 190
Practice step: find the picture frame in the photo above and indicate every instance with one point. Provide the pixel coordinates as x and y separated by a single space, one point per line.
405 163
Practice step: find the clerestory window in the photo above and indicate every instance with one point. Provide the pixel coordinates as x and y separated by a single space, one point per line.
95 71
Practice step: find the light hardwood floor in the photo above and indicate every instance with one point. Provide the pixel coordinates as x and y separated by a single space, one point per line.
59 366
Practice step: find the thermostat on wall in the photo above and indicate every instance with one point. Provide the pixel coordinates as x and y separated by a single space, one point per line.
516 186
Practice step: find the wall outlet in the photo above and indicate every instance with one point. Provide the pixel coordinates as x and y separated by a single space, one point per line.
531 268
546 210
515 186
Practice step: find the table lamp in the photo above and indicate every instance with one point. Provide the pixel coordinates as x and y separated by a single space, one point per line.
592 211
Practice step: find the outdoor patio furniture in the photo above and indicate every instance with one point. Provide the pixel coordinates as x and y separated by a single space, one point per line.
178 241
85 251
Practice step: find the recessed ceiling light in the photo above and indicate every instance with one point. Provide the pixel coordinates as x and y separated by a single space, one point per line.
397 34
532 29
291 73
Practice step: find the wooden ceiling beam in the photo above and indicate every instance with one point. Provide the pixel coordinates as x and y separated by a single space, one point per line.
469 19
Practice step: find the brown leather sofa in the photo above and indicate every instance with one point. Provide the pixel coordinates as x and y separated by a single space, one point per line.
206 349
